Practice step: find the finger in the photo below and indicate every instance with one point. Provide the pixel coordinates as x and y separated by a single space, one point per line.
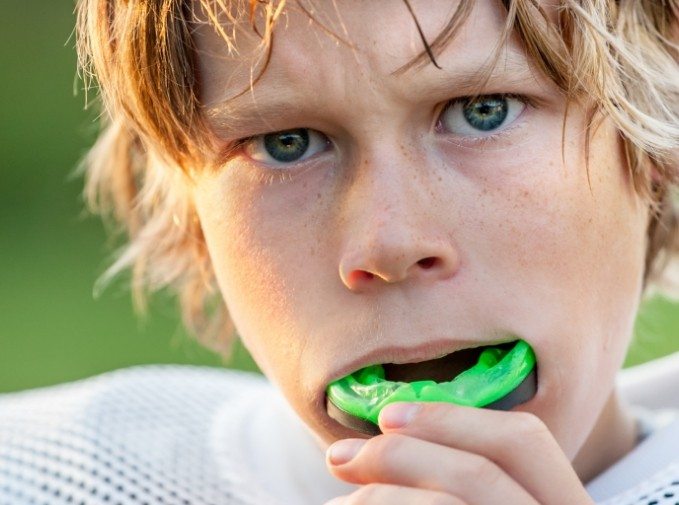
518 442
379 494
407 461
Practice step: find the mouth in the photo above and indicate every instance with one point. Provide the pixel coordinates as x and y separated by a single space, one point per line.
442 369
496 376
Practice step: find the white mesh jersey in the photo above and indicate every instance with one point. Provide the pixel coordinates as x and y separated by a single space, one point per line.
183 435
159 435
135 436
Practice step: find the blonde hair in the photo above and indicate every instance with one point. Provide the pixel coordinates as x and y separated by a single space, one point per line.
622 54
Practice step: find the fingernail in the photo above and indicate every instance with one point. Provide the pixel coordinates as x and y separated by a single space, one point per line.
344 451
397 415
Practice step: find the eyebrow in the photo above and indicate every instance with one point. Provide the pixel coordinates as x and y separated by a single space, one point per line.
229 117
467 81
242 115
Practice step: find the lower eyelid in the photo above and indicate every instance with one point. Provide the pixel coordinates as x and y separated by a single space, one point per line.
282 171
487 139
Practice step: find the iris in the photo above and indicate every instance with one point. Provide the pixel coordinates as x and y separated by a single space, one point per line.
486 113
287 146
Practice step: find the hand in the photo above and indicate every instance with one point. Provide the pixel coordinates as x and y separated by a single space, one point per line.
438 453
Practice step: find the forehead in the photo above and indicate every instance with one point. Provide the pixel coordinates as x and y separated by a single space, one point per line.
345 45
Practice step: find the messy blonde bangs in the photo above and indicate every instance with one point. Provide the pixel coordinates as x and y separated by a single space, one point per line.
621 55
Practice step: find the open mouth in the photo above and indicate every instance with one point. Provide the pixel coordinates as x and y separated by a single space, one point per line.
442 369
498 376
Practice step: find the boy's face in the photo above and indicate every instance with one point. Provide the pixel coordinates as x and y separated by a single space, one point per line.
387 230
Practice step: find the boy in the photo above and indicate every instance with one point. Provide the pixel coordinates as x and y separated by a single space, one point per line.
357 200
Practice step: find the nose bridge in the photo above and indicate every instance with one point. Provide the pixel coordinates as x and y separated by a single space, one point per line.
385 195
390 225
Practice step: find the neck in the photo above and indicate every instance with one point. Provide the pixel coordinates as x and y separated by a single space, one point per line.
614 435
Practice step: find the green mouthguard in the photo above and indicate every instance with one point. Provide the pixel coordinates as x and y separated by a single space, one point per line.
496 374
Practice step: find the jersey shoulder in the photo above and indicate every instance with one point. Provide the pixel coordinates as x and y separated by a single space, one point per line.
134 435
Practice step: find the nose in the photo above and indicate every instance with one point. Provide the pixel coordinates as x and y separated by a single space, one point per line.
395 231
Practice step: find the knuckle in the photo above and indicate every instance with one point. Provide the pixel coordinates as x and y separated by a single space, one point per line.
481 469
385 447
385 457
530 427
376 493
442 499
370 493
437 412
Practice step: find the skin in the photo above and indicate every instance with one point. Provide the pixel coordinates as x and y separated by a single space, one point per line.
400 241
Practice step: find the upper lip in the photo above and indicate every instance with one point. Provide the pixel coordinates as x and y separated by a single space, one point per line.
412 354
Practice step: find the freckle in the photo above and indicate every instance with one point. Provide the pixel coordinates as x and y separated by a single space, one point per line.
318 196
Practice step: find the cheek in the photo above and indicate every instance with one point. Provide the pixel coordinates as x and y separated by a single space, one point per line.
566 270
543 231
254 246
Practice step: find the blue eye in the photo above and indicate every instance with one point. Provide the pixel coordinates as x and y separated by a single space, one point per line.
286 146
486 114
469 117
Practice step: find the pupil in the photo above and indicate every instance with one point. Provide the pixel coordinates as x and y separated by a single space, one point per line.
287 146
486 113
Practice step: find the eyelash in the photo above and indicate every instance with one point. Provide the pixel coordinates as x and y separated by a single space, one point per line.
276 175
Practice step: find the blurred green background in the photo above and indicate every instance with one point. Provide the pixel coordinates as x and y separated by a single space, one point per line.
53 330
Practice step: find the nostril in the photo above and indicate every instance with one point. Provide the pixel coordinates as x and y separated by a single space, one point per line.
359 275
427 263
